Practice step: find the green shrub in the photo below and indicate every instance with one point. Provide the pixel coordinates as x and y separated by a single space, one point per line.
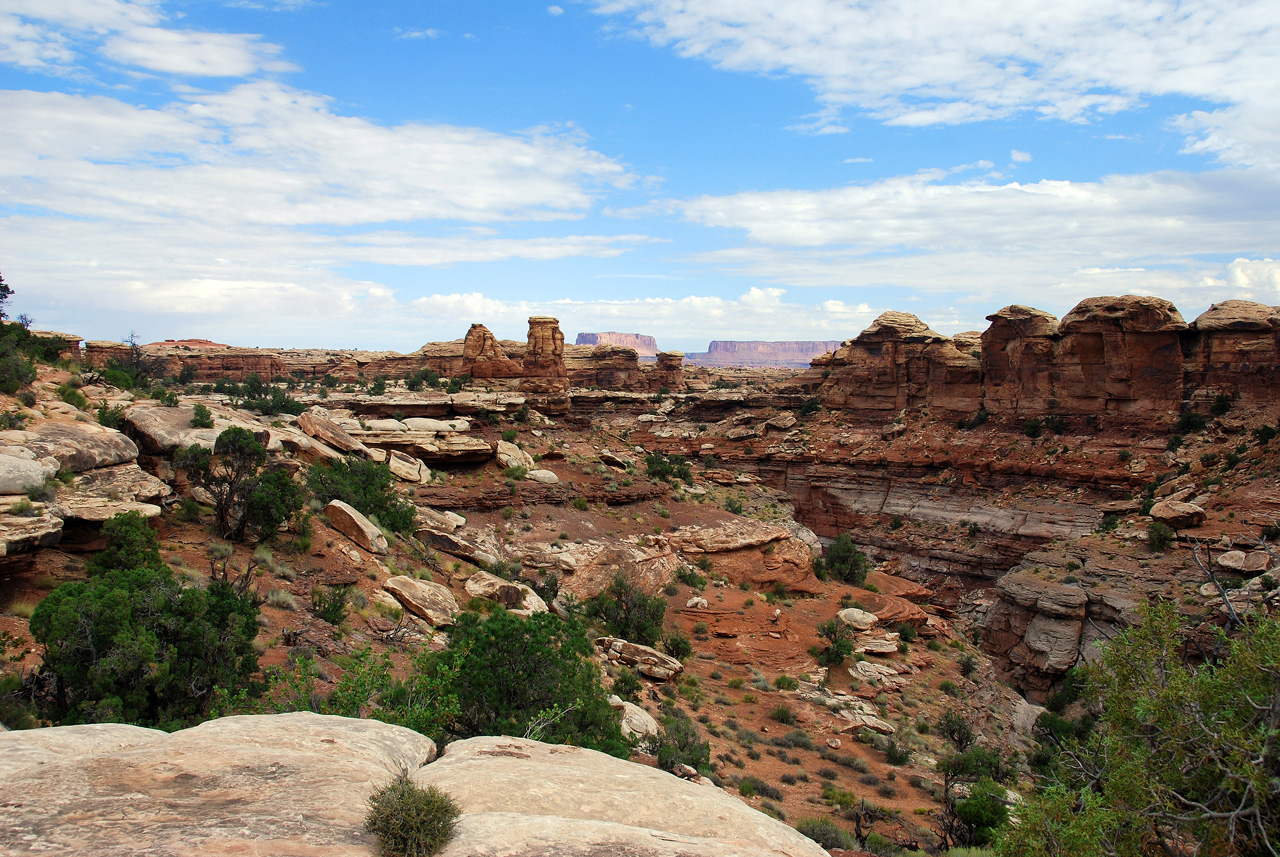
895 753
680 743
949 688
668 468
201 417
509 435
579 503
783 714
244 495
274 401
1190 421
827 833
627 686
845 562
1159 536
364 485
410 821
528 677
628 612
839 642
786 682
109 416
72 396
135 646
330 603
131 543
810 406
27 399
968 664
677 645
1032 427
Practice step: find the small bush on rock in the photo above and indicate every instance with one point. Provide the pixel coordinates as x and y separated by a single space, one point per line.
411 821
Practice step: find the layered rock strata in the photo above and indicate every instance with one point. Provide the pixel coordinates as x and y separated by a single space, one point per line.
1131 356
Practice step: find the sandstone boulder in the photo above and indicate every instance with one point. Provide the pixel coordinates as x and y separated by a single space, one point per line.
1254 562
329 433
356 527
160 430
542 476
21 534
517 597
642 659
636 722
78 446
859 620
437 426
405 467
1177 514
19 474
424 598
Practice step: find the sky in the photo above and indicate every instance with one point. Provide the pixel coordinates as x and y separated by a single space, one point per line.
378 175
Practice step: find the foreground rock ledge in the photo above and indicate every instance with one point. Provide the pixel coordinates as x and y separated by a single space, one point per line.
296 784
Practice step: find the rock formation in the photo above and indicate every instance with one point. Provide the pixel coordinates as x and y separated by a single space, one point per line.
786 355
644 346
1130 356
899 362
296 784
545 378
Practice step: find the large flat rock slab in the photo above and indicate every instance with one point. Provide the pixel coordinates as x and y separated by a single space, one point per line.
521 797
288 784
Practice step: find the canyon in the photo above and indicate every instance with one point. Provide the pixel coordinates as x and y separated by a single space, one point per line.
1000 482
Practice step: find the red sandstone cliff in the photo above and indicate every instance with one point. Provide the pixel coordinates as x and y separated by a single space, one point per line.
1130 355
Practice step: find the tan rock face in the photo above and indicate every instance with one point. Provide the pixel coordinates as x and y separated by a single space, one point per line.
292 785
1177 514
1120 355
522 798
424 598
356 527
328 432
1129 355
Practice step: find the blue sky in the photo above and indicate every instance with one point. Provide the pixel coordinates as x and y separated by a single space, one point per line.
380 175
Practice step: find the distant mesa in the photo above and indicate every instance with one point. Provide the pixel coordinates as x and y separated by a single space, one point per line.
645 346
785 355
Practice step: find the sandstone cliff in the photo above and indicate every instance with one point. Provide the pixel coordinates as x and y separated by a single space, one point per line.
645 346
788 355
1130 356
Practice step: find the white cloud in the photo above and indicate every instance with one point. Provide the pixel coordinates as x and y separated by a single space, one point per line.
555 10
924 62
186 52
263 153
1020 157
417 34
48 35
858 160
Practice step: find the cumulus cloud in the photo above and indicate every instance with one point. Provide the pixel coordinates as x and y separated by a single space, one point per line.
967 62
555 10
1020 157
264 153
48 35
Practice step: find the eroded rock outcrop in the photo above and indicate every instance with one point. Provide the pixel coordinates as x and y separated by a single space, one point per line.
899 362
